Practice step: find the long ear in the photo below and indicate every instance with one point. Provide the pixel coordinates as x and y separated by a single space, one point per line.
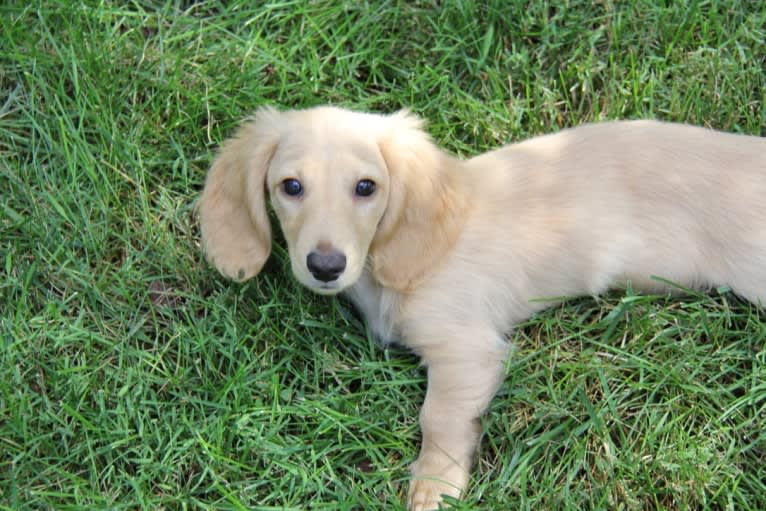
426 205
236 234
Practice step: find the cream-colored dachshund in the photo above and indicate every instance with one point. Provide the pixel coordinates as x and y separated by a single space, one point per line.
447 255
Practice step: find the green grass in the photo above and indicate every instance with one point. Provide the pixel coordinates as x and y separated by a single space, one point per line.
132 376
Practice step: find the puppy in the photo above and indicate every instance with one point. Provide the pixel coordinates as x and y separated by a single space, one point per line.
446 255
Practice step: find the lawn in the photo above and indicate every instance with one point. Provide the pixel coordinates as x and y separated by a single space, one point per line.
133 376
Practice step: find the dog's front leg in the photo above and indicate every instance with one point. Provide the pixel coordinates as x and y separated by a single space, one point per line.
462 379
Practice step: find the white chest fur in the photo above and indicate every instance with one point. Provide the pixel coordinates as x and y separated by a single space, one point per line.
378 305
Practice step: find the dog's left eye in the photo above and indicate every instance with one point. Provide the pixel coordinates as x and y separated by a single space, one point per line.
365 188
292 187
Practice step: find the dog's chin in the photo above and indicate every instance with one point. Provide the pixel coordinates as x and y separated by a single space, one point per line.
325 288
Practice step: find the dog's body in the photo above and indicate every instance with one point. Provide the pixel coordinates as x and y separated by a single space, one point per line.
445 256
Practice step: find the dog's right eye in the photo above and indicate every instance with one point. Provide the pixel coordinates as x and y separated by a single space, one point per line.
292 187
365 188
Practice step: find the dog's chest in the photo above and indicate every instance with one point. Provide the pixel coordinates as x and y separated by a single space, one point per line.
378 305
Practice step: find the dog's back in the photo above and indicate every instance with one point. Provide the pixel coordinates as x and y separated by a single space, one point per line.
602 205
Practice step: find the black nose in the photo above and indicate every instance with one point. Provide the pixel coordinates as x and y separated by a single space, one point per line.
326 265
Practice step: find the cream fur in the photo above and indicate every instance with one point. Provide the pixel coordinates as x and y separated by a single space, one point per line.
447 255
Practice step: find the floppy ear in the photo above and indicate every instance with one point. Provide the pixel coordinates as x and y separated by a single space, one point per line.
236 234
426 205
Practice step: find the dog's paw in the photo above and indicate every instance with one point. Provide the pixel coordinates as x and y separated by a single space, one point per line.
433 477
427 494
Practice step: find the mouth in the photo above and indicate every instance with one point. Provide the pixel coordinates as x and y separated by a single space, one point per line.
326 288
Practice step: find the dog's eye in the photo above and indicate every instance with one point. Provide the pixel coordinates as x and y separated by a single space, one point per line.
292 187
365 188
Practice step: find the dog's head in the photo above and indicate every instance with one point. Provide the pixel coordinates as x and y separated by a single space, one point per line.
349 189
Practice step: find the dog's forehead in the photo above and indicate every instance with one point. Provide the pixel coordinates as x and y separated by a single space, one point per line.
322 140
328 146
329 124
